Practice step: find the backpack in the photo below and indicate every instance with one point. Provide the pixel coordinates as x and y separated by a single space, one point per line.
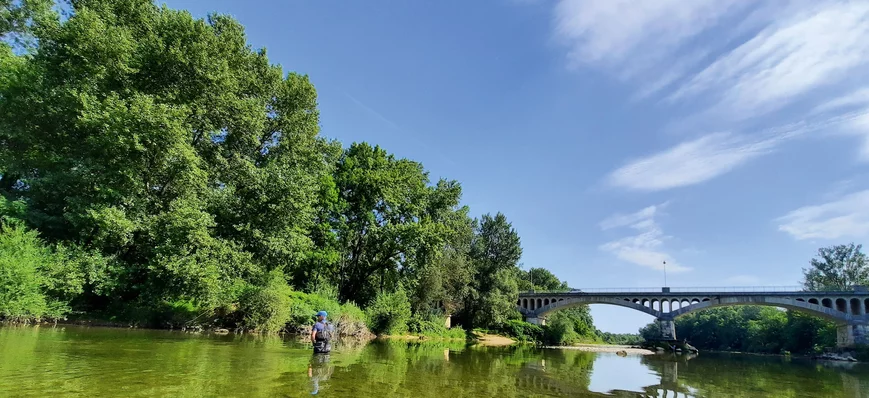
326 334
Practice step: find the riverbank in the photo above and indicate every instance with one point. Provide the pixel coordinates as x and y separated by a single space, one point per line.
492 340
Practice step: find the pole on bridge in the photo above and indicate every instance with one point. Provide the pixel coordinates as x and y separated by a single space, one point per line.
665 274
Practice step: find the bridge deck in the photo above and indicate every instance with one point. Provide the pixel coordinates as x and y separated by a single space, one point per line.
697 294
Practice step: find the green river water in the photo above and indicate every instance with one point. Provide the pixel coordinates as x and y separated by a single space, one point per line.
66 361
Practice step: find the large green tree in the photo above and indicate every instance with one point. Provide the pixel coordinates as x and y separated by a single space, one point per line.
495 252
838 267
164 141
541 279
384 223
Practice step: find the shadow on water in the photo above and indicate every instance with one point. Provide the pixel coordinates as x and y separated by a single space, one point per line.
95 362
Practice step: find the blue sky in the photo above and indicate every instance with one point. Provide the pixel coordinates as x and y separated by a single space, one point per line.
729 138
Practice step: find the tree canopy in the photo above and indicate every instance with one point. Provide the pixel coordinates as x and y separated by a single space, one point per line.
838 267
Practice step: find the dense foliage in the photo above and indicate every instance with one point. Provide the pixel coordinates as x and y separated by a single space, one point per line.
752 329
837 268
157 170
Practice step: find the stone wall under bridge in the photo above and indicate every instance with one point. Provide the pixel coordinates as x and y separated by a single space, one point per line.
849 310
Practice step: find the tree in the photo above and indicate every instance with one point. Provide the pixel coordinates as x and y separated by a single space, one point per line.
838 267
17 19
495 252
543 280
390 224
163 141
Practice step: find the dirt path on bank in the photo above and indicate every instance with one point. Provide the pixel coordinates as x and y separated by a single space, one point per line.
492 340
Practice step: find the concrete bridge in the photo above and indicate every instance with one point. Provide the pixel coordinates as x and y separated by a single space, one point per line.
848 309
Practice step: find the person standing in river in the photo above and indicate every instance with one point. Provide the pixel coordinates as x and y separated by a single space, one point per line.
321 334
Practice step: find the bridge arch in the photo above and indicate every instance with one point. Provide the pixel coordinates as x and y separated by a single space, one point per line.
786 303
577 301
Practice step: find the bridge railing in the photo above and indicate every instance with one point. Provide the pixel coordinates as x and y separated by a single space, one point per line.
715 289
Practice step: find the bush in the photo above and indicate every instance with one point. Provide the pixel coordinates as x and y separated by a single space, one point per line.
24 260
267 308
431 324
389 313
347 318
522 331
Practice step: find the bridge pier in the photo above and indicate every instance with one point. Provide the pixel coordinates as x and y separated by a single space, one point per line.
852 334
668 328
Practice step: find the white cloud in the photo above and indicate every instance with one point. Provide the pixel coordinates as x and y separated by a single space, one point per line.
698 160
639 218
854 98
847 217
690 162
734 63
816 46
860 127
614 32
645 246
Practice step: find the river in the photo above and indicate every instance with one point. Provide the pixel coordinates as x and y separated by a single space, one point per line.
67 361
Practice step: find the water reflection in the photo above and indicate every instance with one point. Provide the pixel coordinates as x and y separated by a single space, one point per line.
319 370
36 362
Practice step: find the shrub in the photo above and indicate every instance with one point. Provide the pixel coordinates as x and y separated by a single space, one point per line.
431 324
522 331
389 313
267 308
347 318
23 283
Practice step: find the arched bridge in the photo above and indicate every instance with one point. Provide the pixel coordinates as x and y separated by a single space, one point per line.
848 309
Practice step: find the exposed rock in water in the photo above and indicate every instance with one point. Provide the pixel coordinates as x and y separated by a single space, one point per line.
832 356
622 353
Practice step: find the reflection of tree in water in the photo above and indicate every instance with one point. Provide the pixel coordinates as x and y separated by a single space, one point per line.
704 376
557 371
413 369
402 368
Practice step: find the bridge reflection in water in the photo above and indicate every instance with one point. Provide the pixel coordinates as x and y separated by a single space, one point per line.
698 380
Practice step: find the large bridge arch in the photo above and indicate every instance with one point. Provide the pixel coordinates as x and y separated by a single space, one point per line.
577 301
829 314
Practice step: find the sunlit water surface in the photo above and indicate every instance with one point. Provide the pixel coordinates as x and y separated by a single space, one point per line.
96 362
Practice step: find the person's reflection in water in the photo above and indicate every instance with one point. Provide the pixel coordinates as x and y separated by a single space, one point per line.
319 370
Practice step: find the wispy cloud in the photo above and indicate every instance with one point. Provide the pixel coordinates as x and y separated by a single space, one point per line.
690 162
371 111
733 64
859 97
860 127
817 45
644 246
701 159
847 217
